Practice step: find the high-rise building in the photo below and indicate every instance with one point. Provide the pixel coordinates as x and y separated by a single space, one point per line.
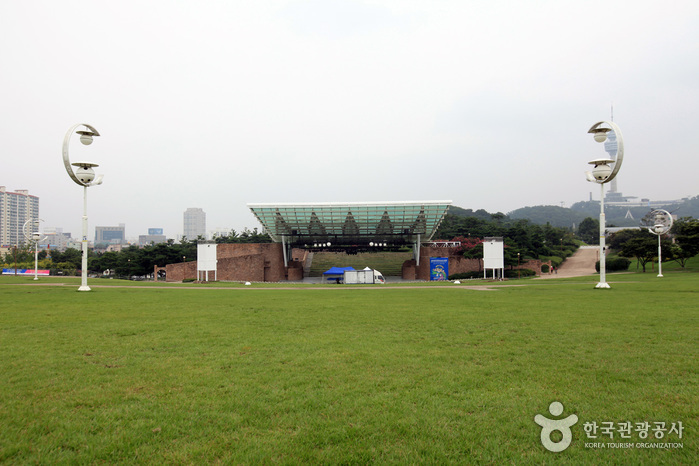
110 235
194 223
16 208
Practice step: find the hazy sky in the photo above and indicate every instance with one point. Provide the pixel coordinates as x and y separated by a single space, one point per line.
220 103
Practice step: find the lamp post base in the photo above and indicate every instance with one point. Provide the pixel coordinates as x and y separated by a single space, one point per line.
660 275
604 285
84 288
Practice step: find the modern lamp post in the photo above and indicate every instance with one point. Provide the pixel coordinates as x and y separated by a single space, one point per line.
604 171
660 223
85 177
32 234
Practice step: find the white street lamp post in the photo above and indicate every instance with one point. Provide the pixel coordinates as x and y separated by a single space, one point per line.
84 177
34 236
604 171
660 223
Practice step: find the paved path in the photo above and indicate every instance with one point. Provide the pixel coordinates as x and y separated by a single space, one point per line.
579 264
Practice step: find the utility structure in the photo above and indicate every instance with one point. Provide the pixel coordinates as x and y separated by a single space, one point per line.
605 170
85 177
33 235
658 222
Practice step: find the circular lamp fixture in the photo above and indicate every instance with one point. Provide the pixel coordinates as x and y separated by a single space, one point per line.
600 134
86 136
85 174
602 170
658 222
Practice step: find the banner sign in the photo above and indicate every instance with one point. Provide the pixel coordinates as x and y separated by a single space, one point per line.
439 268
24 272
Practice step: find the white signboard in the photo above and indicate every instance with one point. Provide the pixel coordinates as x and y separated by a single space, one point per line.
206 259
493 255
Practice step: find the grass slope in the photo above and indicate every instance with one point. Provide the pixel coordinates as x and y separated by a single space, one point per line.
389 374
388 263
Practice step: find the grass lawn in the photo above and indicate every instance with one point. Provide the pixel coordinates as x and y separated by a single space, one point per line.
384 374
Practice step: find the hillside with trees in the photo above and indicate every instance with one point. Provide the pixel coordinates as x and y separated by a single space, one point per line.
619 216
531 241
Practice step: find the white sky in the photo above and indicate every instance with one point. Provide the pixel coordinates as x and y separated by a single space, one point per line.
219 103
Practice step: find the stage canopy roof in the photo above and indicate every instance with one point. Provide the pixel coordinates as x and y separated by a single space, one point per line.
351 223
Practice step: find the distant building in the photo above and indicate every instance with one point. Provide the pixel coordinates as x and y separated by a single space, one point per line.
57 240
194 223
110 235
219 232
16 208
154 236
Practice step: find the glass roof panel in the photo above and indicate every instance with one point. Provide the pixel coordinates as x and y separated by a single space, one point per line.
351 222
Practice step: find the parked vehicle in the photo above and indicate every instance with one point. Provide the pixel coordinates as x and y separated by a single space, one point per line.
366 276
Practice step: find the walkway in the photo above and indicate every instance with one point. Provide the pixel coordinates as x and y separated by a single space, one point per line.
579 264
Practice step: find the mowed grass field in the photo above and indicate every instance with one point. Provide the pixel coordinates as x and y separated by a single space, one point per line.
253 375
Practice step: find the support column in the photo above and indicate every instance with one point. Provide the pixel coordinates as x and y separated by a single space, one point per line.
602 245
83 280
416 250
286 260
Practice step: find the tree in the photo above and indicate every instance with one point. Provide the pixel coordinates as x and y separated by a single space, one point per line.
588 230
642 246
71 256
686 231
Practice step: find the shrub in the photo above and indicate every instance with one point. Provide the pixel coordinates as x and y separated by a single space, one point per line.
615 264
519 273
189 280
466 275
545 268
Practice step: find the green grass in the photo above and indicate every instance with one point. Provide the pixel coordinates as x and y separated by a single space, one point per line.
390 264
440 374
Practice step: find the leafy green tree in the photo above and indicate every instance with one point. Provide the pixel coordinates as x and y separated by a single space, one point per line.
70 256
686 246
247 236
642 246
588 230
616 240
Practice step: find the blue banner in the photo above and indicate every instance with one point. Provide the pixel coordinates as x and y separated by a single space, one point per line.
439 268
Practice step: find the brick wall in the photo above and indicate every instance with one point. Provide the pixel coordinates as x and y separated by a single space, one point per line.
178 272
258 262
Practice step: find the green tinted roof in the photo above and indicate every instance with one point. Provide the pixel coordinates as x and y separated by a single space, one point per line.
346 223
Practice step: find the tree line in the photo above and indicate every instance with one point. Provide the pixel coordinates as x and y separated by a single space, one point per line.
131 261
523 240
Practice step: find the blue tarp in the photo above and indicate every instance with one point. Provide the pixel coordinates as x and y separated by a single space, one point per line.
337 270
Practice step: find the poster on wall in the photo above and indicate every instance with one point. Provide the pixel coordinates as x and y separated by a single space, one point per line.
439 268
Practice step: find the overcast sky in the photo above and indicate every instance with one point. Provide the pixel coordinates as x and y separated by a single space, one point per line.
217 104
